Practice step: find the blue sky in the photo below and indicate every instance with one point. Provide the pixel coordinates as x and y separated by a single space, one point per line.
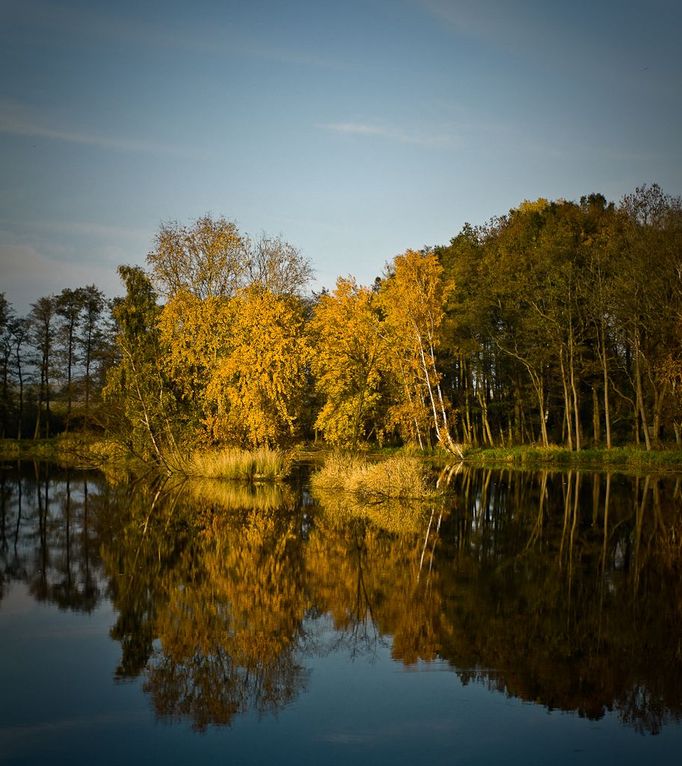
353 129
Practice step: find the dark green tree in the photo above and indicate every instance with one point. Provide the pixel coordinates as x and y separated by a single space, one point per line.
43 327
144 407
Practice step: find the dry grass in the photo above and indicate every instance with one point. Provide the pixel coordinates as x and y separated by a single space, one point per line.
243 465
398 477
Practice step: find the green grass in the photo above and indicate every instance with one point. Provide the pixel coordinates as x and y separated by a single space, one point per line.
624 457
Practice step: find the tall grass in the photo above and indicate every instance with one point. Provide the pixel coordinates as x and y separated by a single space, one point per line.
237 464
399 476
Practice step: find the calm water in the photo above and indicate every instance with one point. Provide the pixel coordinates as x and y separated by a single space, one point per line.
530 618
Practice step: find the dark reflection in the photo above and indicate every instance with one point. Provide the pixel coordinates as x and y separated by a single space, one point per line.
47 536
563 589
568 587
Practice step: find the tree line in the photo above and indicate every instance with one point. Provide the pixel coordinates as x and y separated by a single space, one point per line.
53 363
560 322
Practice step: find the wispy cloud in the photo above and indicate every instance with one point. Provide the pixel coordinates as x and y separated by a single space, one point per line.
18 120
211 36
594 44
391 133
91 229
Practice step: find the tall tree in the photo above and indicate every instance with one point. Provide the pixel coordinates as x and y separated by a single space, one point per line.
412 298
348 355
69 306
92 339
650 299
6 318
20 332
43 327
145 406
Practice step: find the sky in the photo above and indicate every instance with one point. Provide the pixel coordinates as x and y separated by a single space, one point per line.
354 130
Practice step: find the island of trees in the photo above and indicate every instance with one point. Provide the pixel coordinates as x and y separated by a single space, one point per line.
558 323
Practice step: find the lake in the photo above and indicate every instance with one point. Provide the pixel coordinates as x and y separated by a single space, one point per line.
528 617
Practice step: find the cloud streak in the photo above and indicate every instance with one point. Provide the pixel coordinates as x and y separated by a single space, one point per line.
212 38
389 132
16 120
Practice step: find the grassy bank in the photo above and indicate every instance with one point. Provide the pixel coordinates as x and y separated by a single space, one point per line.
394 472
89 451
70 450
618 457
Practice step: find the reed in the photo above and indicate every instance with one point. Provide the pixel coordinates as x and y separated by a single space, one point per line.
398 476
237 464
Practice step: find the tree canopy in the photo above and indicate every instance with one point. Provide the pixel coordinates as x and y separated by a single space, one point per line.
559 322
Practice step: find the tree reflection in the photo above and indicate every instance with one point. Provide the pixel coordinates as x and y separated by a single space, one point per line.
222 590
586 615
48 540
560 588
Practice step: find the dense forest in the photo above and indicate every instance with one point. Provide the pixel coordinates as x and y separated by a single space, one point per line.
558 323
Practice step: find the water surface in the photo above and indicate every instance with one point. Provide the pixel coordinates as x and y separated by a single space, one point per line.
529 617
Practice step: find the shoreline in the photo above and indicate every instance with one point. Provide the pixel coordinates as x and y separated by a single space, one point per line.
91 451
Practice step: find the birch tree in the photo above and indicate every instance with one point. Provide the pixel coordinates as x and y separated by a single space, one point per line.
412 298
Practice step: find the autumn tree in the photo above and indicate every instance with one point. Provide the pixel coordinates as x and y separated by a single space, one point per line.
412 298
257 390
349 350
195 335
207 258
237 372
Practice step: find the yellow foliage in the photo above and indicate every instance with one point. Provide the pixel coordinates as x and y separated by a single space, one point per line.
535 206
255 392
349 353
413 299
195 332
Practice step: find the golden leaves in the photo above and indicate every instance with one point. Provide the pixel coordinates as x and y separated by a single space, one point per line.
255 390
349 351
